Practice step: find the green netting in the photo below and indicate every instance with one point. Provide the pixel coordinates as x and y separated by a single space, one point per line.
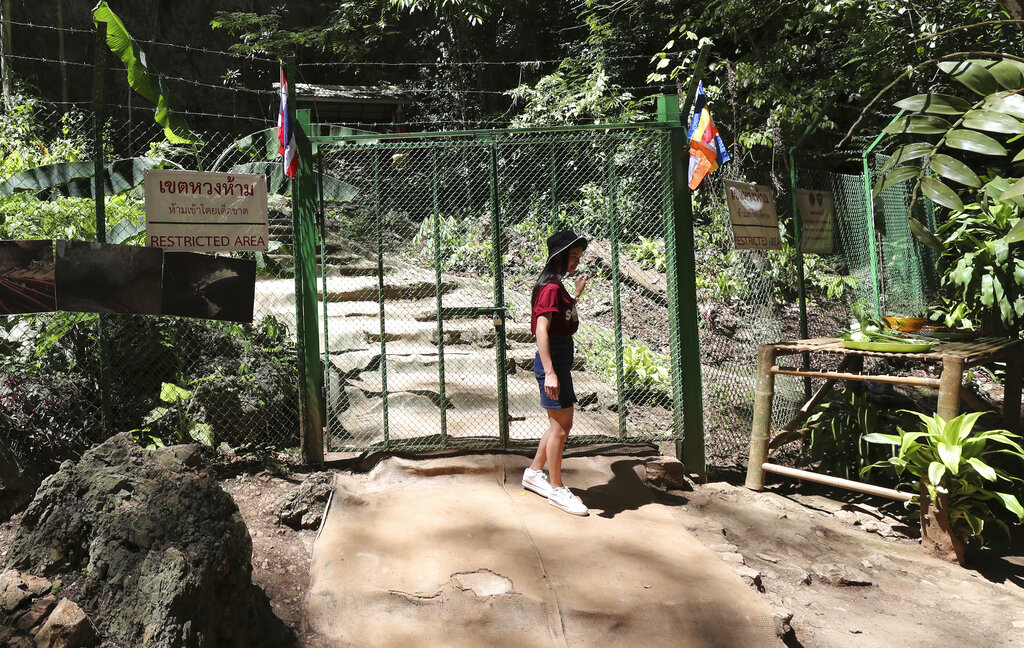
456 228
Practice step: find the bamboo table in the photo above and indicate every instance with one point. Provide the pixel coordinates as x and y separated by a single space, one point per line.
953 359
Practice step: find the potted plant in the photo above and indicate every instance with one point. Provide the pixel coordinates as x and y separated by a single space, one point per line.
950 468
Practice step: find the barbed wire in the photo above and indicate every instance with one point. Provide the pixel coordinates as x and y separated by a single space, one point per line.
470 63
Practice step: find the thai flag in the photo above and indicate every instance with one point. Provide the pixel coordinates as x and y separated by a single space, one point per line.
707 150
285 134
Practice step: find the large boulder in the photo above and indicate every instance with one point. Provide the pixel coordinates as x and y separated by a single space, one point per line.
165 553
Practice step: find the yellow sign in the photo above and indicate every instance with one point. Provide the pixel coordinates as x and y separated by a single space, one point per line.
816 217
755 223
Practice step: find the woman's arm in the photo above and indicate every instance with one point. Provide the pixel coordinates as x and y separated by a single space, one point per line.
551 386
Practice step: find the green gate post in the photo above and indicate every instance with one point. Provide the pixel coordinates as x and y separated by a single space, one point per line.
869 206
311 372
99 200
499 298
439 294
321 219
378 220
798 240
682 282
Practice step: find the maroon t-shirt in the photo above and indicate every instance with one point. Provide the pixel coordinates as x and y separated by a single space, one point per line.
554 299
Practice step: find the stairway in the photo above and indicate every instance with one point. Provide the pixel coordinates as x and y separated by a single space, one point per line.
355 381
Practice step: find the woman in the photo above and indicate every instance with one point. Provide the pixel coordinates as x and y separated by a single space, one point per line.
554 321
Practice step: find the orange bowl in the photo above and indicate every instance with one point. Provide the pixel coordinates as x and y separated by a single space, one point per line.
905 324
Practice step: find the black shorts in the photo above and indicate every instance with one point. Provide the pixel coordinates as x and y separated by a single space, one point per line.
562 354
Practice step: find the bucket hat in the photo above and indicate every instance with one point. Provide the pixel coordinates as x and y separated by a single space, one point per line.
561 241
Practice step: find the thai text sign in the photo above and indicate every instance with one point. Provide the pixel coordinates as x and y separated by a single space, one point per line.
816 212
755 224
192 210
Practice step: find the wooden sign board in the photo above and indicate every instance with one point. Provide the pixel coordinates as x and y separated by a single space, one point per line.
755 223
816 218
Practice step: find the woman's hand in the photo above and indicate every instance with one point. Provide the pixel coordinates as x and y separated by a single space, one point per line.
581 283
551 386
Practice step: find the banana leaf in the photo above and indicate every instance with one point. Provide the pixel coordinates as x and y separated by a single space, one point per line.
74 179
141 78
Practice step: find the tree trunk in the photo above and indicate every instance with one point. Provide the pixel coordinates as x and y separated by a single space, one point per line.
5 51
1015 7
937 535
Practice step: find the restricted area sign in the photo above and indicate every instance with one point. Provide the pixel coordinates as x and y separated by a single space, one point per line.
816 216
755 223
206 212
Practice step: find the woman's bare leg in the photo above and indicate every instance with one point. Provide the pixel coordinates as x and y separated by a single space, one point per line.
560 423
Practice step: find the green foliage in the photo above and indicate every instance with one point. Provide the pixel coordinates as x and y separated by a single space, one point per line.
465 243
983 274
950 458
174 419
580 90
649 252
834 440
641 367
140 78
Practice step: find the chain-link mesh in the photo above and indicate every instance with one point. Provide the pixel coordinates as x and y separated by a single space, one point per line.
69 378
426 244
437 350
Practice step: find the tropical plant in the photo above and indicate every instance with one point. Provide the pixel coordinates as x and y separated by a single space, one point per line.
141 78
174 419
981 269
649 252
950 459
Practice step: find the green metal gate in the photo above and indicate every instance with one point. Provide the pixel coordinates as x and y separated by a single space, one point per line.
428 264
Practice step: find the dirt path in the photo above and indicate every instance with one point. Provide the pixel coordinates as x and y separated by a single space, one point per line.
844 586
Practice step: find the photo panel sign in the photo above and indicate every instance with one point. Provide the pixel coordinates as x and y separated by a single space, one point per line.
27 277
108 278
208 287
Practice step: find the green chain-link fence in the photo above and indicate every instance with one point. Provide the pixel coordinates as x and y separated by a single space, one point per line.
428 307
426 245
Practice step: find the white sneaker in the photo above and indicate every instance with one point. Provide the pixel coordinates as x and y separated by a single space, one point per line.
563 498
536 481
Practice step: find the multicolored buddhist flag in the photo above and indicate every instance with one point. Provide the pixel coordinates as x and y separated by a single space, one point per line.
285 134
707 150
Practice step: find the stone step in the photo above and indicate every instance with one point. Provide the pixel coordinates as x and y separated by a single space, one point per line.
362 288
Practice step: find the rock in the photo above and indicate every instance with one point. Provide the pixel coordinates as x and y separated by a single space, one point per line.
165 553
179 457
66 627
751 577
36 612
724 547
16 484
767 558
732 558
304 506
16 587
848 517
881 528
668 473
783 619
836 574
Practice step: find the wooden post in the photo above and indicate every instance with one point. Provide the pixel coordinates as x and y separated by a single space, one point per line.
1011 393
762 427
949 387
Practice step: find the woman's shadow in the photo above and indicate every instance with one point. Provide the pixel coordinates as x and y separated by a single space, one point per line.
625 491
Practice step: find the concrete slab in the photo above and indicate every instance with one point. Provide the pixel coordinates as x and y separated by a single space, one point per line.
453 552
